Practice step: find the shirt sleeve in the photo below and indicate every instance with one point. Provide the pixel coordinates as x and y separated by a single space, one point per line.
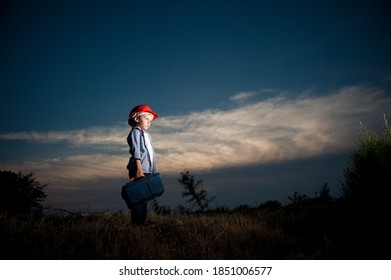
134 141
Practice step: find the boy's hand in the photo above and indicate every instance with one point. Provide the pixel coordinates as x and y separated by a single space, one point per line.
139 174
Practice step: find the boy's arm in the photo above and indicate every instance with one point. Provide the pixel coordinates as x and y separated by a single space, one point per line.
139 172
134 139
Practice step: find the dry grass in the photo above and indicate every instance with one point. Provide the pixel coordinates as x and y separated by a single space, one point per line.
253 234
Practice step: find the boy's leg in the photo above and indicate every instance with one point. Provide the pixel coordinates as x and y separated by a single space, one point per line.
139 214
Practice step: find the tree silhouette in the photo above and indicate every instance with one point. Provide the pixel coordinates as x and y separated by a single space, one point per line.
367 178
324 194
298 199
20 194
193 189
366 193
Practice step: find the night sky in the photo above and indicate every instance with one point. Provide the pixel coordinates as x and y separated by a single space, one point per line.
258 99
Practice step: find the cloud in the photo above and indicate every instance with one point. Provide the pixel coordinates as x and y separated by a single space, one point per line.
273 130
111 135
244 96
241 96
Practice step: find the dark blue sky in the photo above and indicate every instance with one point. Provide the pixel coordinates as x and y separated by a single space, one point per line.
239 85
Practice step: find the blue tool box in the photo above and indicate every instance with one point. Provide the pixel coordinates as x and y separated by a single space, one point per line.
142 190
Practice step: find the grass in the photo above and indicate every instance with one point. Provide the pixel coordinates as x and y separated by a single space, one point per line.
283 233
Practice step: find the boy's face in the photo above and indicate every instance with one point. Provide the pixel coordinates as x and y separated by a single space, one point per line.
144 121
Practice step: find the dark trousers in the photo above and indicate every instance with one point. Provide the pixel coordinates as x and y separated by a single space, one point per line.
138 212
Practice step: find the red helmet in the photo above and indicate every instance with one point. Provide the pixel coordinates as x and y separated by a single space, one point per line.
140 109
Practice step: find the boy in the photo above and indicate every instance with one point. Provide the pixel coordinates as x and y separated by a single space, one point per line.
142 161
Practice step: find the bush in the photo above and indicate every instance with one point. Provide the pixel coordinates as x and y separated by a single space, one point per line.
193 189
367 178
20 194
366 193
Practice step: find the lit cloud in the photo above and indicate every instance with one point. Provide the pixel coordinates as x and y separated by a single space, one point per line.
241 96
272 130
112 135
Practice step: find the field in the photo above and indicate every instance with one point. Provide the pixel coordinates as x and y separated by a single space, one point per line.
281 233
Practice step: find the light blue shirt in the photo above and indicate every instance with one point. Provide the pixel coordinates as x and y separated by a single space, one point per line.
138 140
